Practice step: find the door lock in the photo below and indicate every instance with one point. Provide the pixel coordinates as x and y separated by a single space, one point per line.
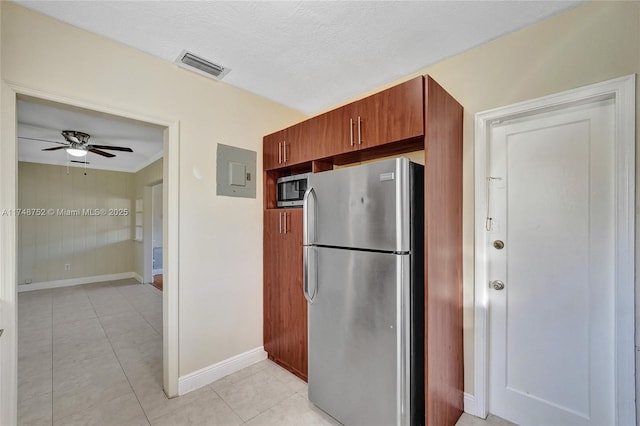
497 285
499 244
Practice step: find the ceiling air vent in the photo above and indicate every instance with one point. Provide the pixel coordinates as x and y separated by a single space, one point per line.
202 66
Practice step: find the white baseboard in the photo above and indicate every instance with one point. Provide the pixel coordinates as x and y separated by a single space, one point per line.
138 278
75 281
470 406
210 374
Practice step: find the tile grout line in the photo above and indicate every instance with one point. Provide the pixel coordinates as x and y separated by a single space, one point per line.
51 296
227 404
83 291
117 358
273 376
143 317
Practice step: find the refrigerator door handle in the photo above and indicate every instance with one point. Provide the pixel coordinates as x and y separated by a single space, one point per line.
310 274
309 237
310 271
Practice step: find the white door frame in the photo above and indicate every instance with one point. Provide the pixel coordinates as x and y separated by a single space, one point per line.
622 91
8 247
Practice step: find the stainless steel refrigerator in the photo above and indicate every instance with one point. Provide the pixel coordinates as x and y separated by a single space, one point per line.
363 280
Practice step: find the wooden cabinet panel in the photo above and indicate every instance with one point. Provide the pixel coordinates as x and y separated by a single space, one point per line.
392 115
271 284
333 132
294 305
287 147
272 150
285 308
443 261
297 144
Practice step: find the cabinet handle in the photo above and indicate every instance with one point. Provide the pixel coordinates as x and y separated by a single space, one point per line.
359 131
284 144
279 153
285 222
280 222
351 131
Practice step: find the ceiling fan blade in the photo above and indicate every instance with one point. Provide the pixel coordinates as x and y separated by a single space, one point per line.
113 148
55 148
81 162
41 140
104 154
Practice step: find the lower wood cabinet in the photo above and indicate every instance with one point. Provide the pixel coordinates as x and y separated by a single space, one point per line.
285 308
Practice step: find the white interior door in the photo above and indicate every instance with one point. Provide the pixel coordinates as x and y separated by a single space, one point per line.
551 202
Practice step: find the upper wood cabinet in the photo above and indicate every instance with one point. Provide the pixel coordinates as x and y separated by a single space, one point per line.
392 115
389 116
287 147
272 150
333 132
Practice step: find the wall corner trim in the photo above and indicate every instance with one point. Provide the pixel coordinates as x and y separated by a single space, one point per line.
210 374
470 406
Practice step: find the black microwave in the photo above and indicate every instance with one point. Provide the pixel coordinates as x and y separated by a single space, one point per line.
291 190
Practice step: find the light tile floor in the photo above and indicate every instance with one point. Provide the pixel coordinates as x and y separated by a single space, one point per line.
92 355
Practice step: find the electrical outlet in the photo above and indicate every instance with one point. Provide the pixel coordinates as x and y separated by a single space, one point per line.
67 266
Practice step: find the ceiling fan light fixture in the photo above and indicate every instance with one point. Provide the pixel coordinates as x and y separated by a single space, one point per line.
76 152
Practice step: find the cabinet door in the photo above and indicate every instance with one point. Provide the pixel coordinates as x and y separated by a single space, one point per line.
294 305
392 115
285 308
333 132
272 150
272 329
297 145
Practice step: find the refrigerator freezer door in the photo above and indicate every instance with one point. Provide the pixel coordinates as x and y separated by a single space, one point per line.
358 337
363 207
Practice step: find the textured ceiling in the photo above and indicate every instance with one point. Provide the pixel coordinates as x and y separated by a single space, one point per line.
309 55
39 119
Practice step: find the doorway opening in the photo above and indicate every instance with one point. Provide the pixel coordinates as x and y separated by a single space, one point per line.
156 235
9 261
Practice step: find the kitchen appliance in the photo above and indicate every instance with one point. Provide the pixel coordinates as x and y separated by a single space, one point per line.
291 190
363 280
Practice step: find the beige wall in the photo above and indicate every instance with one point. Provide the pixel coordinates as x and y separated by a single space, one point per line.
220 246
91 245
149 175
